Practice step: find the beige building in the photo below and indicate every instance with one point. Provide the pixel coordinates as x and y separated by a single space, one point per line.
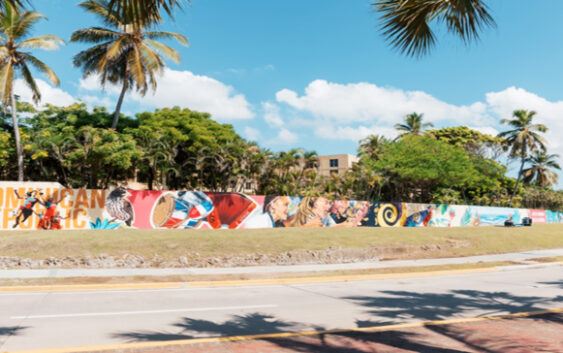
336 163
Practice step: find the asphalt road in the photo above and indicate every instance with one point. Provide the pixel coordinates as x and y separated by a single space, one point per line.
41 320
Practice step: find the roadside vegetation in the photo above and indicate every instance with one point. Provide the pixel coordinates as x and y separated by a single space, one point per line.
288 245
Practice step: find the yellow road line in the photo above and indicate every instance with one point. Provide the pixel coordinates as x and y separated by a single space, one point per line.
162 344
237 283
255 282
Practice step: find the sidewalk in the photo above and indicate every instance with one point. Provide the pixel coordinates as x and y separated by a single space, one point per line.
122 272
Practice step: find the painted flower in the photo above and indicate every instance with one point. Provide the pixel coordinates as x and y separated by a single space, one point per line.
103 224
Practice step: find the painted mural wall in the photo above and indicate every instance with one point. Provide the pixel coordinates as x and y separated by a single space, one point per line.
49 206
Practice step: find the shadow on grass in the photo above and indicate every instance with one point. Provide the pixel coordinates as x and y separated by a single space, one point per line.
388 307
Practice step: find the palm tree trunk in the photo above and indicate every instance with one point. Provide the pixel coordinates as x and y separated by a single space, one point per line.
518 180
119 102
19 152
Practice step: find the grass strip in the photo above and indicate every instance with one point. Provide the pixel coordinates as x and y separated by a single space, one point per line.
171 244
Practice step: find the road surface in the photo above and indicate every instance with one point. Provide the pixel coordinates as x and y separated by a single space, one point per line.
42 320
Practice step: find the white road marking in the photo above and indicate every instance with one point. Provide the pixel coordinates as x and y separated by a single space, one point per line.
218 308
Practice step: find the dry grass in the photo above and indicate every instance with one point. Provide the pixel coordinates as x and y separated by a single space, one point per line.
170 244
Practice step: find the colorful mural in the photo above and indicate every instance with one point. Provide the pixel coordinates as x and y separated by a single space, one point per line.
48 206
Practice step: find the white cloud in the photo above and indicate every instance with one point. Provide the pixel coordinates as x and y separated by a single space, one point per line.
355 110
353 133
365 102
503 103
187 90
49 94
485 130
252 134
272 114
286 137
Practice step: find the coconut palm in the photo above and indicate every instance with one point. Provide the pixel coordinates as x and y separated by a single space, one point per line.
125 54
407 23
413 125
142 11
372 146
541 162
15 27
523 139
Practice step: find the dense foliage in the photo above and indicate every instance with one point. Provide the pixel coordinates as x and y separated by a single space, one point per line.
177 148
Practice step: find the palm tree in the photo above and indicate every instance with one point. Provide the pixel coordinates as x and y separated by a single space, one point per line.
124 54
372 146
406 23
15 26
523 139
142 11
541 162
413 125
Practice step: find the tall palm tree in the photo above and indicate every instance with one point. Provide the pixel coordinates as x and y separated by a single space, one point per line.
407 23
541 162
15 27
413 125
523 139
126 53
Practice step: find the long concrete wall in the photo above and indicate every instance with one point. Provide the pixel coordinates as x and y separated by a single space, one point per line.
48 206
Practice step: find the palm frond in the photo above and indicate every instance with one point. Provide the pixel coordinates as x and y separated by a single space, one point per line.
167 35
41 66
6 81
22 27
47 41
143 12
135 65
94 35
30 82
164 50
406 23
100 8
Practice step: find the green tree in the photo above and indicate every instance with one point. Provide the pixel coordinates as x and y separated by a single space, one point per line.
540 165
406 24
472 141
15 27
412 125
523 139
126 53
416 166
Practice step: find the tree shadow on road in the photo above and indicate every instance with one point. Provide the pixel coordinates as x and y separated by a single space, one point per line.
555 283
11 331
250 324
256 323
401 306
385 308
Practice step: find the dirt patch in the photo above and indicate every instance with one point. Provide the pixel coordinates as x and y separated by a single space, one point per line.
330 255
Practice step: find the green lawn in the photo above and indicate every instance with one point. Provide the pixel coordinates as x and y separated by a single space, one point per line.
171 244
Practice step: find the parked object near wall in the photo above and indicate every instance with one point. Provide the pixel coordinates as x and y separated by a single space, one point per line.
49 206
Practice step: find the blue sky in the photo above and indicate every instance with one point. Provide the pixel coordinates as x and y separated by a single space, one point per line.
317 74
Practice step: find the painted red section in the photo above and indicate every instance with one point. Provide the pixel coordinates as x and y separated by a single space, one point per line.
143 202
230 209
538 216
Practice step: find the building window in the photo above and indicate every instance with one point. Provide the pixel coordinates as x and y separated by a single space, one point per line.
248 186
334 171
334 163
